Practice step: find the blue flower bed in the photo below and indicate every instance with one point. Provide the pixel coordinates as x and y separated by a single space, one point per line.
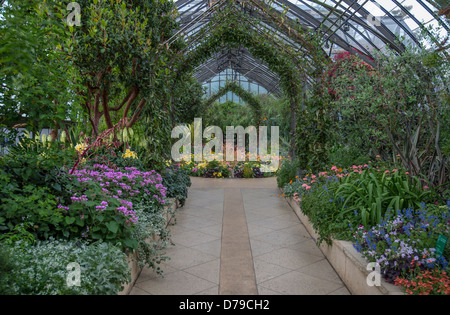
403 237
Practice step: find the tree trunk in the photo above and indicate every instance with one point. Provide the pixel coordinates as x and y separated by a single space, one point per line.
54 132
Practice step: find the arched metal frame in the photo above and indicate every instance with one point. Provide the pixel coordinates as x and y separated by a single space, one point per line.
361 27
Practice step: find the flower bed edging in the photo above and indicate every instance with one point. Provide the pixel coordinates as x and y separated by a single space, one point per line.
348 263
132 258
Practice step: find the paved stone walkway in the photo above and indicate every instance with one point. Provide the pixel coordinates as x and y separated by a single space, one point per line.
238 236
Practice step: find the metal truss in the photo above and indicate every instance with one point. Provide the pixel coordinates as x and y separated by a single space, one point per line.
361 27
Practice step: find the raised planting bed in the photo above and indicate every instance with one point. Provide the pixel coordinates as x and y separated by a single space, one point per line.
173 204
348 263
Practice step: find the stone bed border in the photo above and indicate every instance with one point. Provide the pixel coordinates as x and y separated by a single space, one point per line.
132 258
348 263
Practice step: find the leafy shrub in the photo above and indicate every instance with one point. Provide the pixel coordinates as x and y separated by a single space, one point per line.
38 163
151 223
346 156
33 206
177 182
247 172
318 203
6 268
42 268
360 195
287 172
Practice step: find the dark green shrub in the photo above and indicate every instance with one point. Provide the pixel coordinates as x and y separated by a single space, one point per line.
247 172
33 206
33 162
287 172
6 267
177 182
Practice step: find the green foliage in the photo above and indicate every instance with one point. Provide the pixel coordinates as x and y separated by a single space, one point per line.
117 51
276 112
42 268
187 99
6 268
155 141
176 181
396 109
361 195
346 156
151 235
371 194
20 232
287 172
324 212
84 219
37 162
30 210
248 97
247 172
313 134
37 85
228 114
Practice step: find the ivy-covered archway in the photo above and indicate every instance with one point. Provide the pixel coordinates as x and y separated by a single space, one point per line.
226 30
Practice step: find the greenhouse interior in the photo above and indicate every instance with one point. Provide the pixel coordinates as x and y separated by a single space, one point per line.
223 148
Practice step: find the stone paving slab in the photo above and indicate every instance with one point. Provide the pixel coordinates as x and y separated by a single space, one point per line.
238 236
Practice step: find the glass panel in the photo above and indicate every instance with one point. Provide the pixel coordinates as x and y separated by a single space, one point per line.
213 85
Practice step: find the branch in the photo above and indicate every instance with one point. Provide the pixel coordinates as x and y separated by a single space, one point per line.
106 109
134 94
114 109
137 113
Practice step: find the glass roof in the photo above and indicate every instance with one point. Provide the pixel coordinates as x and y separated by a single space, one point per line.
361 27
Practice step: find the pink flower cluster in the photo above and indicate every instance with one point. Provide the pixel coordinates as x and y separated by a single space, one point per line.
124 185
130 214
79 199
102 206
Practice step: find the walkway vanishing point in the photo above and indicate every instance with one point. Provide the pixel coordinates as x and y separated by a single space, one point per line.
240 237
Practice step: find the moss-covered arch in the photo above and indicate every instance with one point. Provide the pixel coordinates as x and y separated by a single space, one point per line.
248 97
